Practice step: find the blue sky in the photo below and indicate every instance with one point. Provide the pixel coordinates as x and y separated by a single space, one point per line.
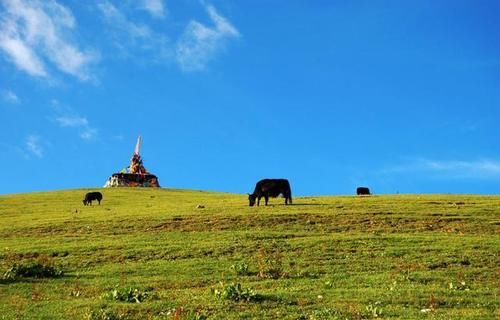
399 96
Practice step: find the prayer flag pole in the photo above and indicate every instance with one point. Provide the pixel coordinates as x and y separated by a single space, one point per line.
138 145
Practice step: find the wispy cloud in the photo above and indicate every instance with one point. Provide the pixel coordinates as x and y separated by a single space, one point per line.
118 20
200 43
72 121
20 53
195 47
66 118
455 169
35 35
10 97
34 146
88 133
129 36
154 7
479 168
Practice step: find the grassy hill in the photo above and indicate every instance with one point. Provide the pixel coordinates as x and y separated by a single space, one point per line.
342 257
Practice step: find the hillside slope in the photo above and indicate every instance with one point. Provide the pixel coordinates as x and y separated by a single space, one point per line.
339 257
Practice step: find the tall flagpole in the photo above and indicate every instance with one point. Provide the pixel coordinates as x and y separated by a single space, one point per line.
138 145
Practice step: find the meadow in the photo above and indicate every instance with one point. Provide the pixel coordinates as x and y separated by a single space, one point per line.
152 254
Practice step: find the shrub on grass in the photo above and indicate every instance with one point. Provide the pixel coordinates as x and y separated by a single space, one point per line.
235 292
461 285
32 269
374 310
128 294
241 269
102 313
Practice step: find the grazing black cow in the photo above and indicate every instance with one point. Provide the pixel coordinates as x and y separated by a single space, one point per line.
271 188
91 196
360 191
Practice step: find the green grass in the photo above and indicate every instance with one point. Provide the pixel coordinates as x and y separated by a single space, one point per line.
342 257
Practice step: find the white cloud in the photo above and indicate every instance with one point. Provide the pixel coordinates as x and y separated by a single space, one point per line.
479 167
456 169
33 145
10 97
134 39
88 133
200 43
222 25
119 21
196 46
154 7
67 119
35 33
21 54
72 121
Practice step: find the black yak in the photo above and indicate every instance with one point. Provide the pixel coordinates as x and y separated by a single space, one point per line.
362 191
91 196
271 188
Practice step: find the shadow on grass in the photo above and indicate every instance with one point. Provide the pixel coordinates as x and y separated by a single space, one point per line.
313 204
295 205
269 299
31 279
